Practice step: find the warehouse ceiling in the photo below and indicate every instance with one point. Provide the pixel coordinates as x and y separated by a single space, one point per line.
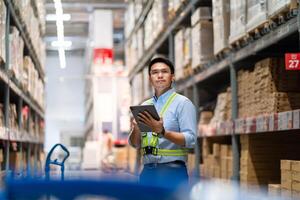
77 28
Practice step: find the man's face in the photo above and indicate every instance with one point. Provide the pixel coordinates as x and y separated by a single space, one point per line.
160 76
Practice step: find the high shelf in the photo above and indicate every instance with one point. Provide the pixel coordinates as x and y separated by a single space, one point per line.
22 89
272 38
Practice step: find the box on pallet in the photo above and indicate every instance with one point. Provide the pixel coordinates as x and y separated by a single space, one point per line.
160 9
140 42
202 44
221 24
179 58
201 14
256 14
187 47
276 7
237 20
2 30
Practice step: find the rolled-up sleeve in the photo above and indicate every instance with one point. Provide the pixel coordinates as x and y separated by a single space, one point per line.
188 122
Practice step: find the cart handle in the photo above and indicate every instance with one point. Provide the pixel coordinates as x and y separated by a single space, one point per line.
55 162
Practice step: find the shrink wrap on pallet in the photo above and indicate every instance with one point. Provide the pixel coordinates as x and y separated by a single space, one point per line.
221 24
256 14
202 44
237 20
275 7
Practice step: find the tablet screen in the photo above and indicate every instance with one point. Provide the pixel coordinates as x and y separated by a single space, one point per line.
150 109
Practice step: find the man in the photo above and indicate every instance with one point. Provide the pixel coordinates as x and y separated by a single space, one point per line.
107 149
165 149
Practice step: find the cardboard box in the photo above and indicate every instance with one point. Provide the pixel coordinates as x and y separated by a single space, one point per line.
274 190
296 186
221 24
286 184
295 166
295 176
202 43
256 13
216 150
237 20
286 174
201 14
286 194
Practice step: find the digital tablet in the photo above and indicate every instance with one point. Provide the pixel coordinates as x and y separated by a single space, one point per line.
138 109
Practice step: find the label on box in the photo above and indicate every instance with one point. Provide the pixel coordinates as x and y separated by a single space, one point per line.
292 61
296 119
250 125
261 124
273 122
285 120
239 125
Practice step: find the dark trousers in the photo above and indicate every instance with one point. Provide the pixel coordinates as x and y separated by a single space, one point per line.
172 174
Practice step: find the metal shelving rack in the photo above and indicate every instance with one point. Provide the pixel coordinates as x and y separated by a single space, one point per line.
29 143
285 121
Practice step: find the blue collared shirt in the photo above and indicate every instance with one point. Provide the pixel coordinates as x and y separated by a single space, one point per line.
179 117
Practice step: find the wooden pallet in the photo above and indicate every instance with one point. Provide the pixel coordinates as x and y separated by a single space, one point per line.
283 14
198 68
238 42
223 53
187 71
257 32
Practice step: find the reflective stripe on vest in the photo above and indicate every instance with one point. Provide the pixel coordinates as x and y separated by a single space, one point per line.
154 139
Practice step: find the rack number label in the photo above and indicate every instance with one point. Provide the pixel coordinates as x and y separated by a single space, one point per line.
292 61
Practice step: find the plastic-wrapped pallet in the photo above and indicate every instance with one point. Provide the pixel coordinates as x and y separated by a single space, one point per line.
138 8
202 37
134 49
137 89
237 20
160 8
140 42
129 18
275 7
179 59
187 47
16 52
41 14
256 14
220 111
148 30
147 86
26 70
221 24
2 29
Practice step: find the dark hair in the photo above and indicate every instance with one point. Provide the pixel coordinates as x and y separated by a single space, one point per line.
161 60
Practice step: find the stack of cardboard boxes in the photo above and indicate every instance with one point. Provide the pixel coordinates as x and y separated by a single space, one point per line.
222 110
218 163
276 89
183 53
260 158
2 30
290 179
237 20
202 37
221 24
268 89
256 14
245 93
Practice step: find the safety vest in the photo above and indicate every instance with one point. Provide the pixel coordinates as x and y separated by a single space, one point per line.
152 146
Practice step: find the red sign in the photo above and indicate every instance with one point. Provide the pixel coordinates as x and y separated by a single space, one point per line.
292 61
103 56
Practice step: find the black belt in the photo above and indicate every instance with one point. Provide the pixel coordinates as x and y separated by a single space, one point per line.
176 163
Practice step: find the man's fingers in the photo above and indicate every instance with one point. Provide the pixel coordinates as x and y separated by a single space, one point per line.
148 115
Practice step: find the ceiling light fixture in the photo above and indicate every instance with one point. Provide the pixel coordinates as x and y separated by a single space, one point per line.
65 44
53 17
60 32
